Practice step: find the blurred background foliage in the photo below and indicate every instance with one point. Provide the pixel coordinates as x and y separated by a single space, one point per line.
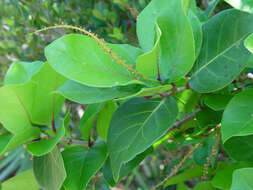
115 21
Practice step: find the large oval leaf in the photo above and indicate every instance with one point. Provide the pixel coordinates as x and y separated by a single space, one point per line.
237 126
242 179
82 165
135 126
83 94
49 170
223 55
82 59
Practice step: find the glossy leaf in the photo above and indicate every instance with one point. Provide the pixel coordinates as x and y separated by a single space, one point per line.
242 179
49 170
237 125
81 59
21 72
46 102
146 23
104 118
244 5
15 102
223 55
197 31
82 164
148 63
88 95
177 42
249 42
25 180
135 126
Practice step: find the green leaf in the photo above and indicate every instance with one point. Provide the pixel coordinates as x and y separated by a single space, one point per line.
15 102
25 180
237 126
87 120
201 154
49 170
211 6
88 95
125 169
207 117
223 55
135 126
187 100
177 42
45 146
244 5
82 164
249 42
151 91
148 63
21 72
104 118
223 178
242 179
146 23
194 172
182 186
197 31
217 102
46 103
204 185
81 59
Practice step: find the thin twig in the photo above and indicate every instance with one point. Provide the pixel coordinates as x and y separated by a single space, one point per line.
132 10
177 167
178 124
73 141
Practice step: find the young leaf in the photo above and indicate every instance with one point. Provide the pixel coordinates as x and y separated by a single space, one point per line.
25 180
177 42
242 179
87 120
148 63
49 170
223 55
21 72
104 118
236 126
135 126
16 102
82 164
46 103
81 59
88 95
